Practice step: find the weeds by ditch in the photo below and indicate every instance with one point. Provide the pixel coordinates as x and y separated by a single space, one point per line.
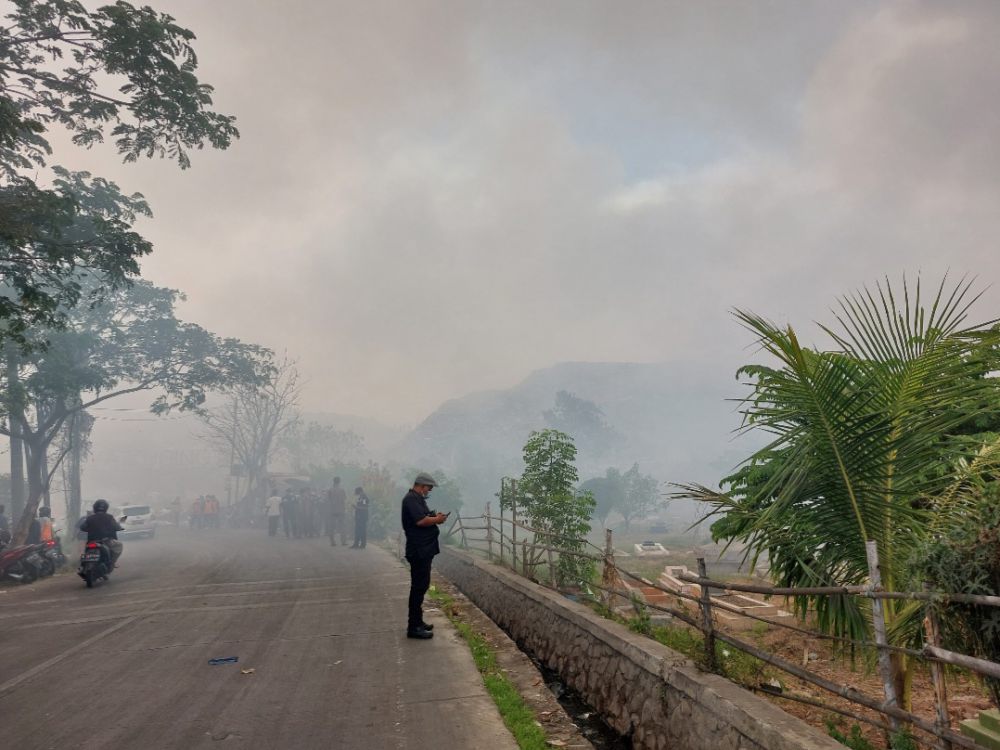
516 714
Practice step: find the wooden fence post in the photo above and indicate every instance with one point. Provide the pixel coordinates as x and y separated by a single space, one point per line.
553 579
503 542
706 619
461 527
878 623
513 525
524 557
933 635
489 534
608 574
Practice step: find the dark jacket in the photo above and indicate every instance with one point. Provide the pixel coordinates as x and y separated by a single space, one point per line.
421 541
100 526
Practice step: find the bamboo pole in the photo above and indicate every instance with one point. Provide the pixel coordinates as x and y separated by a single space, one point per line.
844 691
553 579
878 625
489 534
513 527
865 591
503 544
608 571
989 668
706 619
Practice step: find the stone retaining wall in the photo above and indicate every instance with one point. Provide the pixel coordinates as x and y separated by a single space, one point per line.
643 689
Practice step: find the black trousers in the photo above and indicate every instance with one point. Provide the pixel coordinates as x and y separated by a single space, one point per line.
360 530
420 581
272 525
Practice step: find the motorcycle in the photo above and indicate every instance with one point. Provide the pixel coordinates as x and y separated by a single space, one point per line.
95 562
52 553
23 563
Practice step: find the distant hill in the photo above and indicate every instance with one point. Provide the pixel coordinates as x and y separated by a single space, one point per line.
673 419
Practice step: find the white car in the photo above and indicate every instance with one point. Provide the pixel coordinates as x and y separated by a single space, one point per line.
139 522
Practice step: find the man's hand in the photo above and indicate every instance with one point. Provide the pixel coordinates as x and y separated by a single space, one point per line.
433 520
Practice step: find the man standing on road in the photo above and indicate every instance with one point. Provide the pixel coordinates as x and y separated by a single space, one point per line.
360 519
336 519
421 527
272 508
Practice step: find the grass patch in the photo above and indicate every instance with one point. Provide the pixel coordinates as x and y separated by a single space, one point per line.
516 714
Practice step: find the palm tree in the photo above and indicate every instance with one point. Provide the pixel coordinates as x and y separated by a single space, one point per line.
861 435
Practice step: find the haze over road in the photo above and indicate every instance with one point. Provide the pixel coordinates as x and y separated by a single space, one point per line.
125 665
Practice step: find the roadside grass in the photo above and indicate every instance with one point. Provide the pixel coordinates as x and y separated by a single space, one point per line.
516 714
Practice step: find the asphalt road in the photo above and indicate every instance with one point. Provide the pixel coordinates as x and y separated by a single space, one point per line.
125 665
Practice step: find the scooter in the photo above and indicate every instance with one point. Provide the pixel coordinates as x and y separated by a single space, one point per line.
52 553
23 564
95 563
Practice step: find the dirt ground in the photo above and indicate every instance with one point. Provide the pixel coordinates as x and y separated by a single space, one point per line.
966 696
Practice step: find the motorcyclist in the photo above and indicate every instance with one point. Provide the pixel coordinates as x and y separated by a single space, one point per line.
101 526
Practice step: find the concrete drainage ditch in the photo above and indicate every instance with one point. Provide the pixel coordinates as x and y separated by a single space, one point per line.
654 697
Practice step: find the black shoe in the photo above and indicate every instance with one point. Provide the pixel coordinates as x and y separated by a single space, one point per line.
419 633
426 627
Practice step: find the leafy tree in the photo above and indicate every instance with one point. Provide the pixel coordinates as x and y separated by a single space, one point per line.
634 495
861 444
119 70
548 498
640 496
964 557
585 421
318 445
131 342
608 493
254 418
384 494
53 241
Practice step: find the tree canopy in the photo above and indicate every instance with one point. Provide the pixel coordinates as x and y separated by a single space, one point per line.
121 71
132 341
864 441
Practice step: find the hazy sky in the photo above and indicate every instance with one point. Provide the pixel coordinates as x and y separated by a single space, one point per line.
434 198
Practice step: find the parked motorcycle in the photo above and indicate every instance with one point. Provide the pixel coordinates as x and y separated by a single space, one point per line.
52 553
95 563
24 563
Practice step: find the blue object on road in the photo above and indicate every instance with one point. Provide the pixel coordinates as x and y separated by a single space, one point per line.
224 660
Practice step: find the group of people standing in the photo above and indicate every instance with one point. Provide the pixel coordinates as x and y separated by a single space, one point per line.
304 513
205 513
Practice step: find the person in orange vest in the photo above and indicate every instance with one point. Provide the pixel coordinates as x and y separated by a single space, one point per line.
46 531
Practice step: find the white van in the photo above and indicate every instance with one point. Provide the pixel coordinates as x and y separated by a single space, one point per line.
139 522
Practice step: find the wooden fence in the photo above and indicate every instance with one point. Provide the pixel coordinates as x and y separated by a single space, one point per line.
535 553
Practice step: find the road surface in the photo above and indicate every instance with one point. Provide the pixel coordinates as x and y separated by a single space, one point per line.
125 665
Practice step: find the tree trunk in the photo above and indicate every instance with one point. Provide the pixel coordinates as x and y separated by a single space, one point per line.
902 679
16 444
36 488
74 473
16 471
43 470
